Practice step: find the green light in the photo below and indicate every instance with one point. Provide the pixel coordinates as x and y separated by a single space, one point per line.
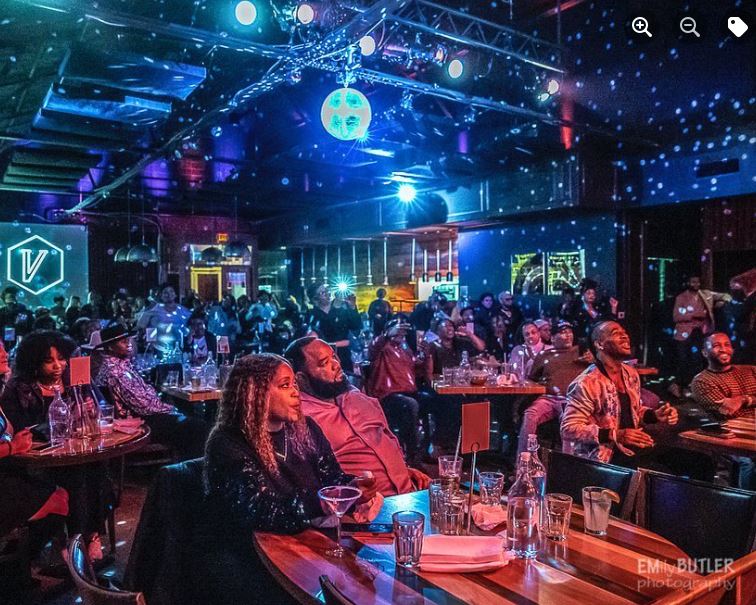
346 114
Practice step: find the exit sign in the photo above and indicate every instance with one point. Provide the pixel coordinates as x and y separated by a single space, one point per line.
221 238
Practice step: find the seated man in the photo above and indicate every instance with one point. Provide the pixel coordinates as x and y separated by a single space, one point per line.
554 368
200 344
131 395
727 391
604 417
352 422
392 381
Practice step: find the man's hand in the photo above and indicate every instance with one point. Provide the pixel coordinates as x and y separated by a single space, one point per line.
667 414
634 437
419 478
368 487
21 442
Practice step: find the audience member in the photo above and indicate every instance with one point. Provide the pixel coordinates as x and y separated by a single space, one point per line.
379 311
511 315
167 319
393 381
264 464
524 354
353 422
728 391
693 315
132 396
555 368
15 315
333 322
200 344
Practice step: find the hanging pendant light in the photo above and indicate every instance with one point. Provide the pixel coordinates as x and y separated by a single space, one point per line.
211 255
237 248
425 265
412 263
369 275
122 254
385 262
142 253
437 276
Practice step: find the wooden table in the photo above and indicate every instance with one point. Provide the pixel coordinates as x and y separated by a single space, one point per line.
81 451
629 565
193 396
526 388
744 443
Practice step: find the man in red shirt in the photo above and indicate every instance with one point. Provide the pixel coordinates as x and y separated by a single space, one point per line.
393 366
353 422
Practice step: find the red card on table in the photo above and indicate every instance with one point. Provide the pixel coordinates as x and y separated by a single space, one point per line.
476 419
79 367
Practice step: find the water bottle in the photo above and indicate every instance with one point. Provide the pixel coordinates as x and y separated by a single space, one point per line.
256 343
523 512
537 470
59 420
464 368
210 372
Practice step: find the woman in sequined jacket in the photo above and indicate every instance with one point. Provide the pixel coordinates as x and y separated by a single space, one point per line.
264 465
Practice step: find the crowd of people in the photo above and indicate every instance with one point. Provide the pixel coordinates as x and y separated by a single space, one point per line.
328 395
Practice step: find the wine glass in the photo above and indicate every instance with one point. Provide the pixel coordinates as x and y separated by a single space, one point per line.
338 499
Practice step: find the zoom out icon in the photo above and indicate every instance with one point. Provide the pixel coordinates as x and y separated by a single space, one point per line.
737 26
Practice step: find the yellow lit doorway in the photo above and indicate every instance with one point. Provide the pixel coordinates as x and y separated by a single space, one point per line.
206 282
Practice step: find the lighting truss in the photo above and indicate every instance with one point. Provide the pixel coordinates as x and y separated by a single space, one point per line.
474 32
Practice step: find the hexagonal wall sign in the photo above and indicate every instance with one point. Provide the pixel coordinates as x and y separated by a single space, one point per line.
35 264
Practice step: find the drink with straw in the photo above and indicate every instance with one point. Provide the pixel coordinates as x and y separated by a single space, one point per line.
450 472
596 504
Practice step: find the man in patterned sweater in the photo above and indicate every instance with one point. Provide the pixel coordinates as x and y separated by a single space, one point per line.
727 390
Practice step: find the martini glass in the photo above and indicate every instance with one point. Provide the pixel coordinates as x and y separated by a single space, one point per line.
338 499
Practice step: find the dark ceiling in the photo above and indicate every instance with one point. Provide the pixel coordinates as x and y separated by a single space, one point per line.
176 104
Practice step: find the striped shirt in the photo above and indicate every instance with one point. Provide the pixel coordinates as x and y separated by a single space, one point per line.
709 388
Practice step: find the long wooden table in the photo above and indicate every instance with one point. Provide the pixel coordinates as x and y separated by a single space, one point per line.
191 396
526 388
628 566
744 443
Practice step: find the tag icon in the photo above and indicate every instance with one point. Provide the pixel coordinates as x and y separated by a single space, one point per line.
737 26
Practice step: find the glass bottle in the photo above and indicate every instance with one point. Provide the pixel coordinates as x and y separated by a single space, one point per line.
523 512
537 470
464 368
59 420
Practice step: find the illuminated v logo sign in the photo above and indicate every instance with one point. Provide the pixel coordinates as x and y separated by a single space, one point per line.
29 267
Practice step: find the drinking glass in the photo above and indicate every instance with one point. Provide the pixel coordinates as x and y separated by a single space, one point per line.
196 379
450 471
491 486
408 537
596 505
558 512
435 494
338 499
106 419
171 379
451 519
448 376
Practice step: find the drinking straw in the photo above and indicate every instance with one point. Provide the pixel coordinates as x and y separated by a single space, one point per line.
459 445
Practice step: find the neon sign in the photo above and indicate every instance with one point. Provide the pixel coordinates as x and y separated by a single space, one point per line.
35 264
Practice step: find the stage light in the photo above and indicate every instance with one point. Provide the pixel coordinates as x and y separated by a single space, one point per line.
346 114
367 45
552 86
440 54
455 69
305 13
407 193
342 287
246 12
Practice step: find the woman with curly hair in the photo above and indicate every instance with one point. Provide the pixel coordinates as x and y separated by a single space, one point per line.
264 465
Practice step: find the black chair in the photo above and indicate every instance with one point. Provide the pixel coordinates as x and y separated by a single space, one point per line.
15 559
331 594
705 520
89 589
569 474
161 556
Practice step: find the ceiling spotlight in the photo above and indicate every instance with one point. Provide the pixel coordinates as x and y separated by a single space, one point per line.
455 69
367 45
440 54
246 12
552 86
305 13
407 193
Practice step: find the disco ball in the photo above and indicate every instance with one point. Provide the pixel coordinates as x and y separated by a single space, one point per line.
346 114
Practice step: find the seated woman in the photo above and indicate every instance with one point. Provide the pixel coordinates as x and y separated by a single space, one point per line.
41 360
264 465
25 500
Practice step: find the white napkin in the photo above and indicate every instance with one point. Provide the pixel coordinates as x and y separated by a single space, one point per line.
462 554
488 517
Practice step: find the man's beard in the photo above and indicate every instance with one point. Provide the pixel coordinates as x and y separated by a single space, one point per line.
323 389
